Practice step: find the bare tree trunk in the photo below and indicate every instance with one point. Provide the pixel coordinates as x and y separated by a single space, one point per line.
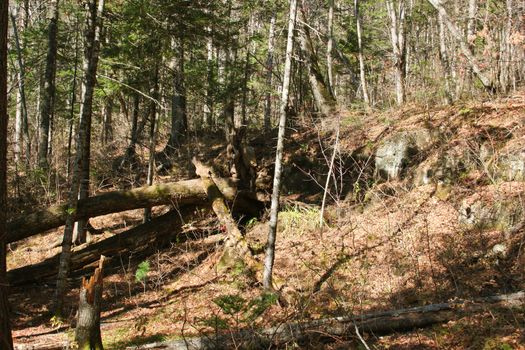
362 73
179 118
87 333
269 74
6 341
47 105
445 63
274 211
323 97
397 37
487 83
330 46
72 102
21 106
210 81
107 127
152 139
93 28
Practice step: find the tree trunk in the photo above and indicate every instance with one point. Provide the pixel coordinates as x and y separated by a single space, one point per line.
329 46
463 45
179 118
6 341
152 139
107 127
236 248
362 73
272 233
269 74
323 97
21 105
445 63
318 331
178 193
47 104
137 242
397 38
87 333
72 102
210 81
93 28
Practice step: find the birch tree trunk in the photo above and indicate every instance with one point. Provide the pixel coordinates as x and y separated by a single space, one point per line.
445 63
330 46
6 341
397 38
269 73
47 104
272 232
453 29
93 28
362 73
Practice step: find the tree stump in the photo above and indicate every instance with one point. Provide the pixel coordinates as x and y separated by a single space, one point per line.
87 333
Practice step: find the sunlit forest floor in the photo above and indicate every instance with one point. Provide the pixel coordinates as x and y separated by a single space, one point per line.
384 245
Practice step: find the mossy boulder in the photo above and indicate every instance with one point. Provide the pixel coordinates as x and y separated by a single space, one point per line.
396 153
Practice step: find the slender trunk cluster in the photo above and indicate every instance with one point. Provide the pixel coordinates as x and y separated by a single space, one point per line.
397 13
47 105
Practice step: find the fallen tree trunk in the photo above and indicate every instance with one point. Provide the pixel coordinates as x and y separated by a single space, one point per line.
177 194
138 241
315 332
235 246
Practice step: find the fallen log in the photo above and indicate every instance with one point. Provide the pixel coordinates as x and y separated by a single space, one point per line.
138 241
176 193
315 332
236 248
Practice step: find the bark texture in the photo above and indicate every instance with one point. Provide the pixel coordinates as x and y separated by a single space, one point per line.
6 341
176 193
87 333
272 232
137 242
48 98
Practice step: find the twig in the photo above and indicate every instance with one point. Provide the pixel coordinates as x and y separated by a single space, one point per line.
360 337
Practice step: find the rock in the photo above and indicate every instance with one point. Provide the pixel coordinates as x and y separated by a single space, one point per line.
399 151
496 213
511 167
500 250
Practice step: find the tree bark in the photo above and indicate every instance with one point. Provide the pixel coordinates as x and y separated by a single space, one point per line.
176 193
487 83
314 332
21 122
362 73
137 242
445 63
235 248
330 46
274 211
87 333
6 341
152 139
397 38
179 118
269 74
324 100
80 179
47 104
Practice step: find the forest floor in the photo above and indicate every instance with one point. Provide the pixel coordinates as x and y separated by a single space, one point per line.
390 245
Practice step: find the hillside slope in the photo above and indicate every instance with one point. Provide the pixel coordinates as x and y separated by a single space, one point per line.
429 207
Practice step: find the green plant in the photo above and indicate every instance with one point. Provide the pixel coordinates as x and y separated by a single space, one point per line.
141 274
